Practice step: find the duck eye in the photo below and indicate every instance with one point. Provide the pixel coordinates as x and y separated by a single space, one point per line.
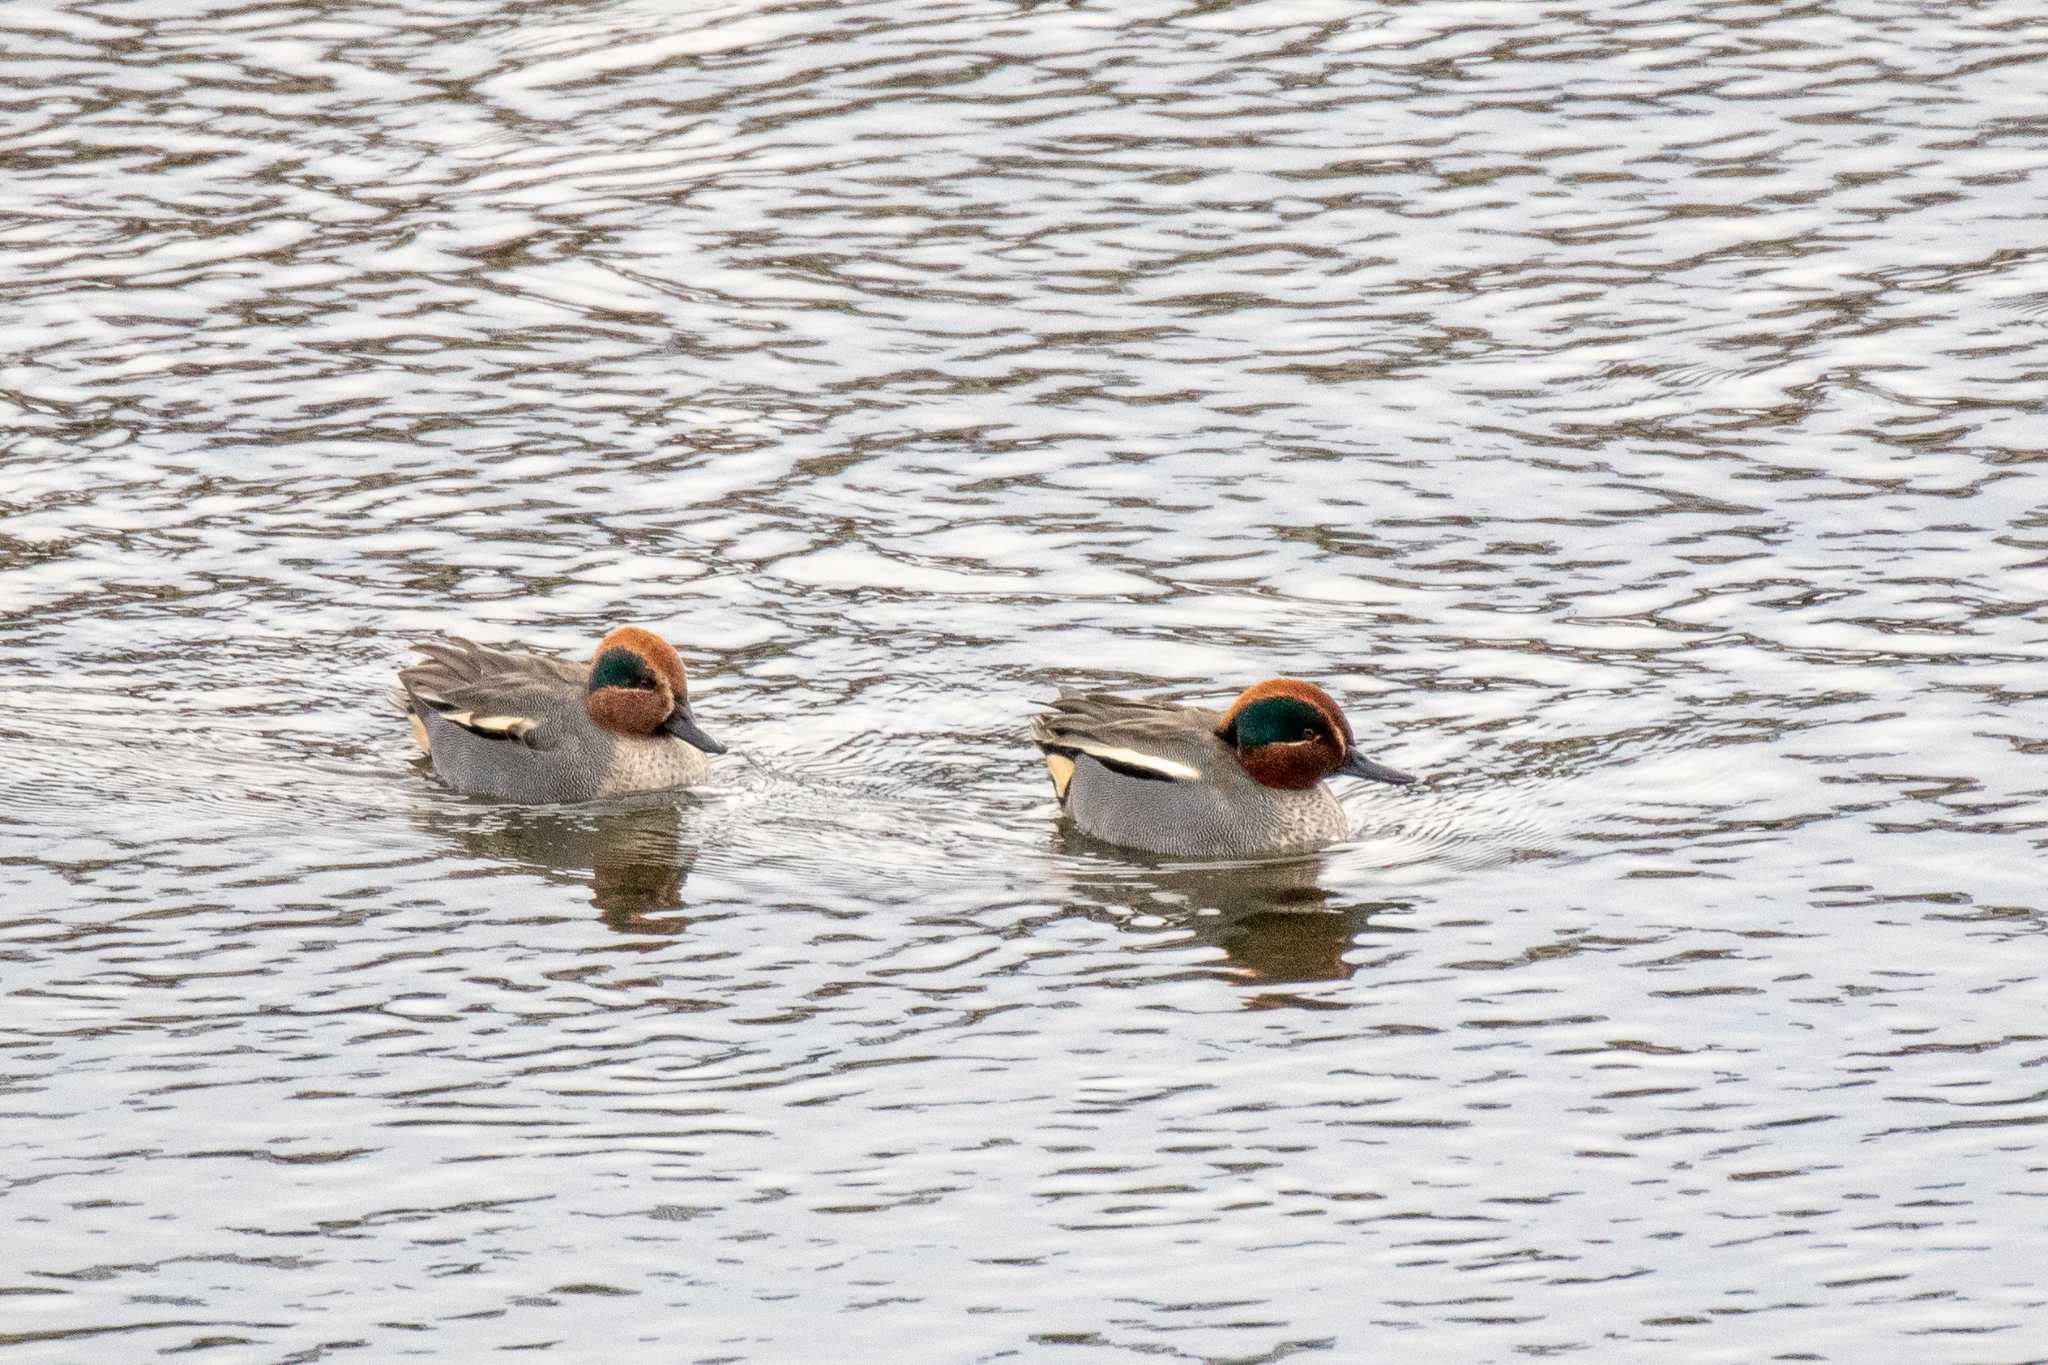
1278 720
622 668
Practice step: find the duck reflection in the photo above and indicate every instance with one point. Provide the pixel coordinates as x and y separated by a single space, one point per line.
1274 921
632 853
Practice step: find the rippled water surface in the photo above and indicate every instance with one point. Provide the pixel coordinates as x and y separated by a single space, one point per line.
1633 412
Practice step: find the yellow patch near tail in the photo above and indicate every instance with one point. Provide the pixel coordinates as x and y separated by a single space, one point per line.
1062 769
419 732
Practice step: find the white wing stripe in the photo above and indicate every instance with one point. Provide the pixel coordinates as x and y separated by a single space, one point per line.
1132 758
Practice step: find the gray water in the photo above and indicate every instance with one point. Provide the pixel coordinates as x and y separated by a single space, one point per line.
1633 413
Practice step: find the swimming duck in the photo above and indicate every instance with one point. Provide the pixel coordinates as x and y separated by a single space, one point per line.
1192 782
527 727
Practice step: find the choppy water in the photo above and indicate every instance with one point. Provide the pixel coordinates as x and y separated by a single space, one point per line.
1635 413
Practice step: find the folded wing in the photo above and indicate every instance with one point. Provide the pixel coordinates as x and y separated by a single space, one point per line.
494 694
1151 741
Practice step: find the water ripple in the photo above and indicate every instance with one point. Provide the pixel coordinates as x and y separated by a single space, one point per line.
1631 414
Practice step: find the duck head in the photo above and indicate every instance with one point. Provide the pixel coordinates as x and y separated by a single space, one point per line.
1289 734
637 689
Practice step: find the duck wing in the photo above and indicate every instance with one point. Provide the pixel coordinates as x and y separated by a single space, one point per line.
1158 741
496 694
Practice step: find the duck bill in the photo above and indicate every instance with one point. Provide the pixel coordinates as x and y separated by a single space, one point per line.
683 726
1357 764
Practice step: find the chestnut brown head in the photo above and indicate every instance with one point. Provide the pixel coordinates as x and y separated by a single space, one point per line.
1289 734
637 688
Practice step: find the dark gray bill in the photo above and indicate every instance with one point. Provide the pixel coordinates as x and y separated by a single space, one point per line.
1357 764
683 726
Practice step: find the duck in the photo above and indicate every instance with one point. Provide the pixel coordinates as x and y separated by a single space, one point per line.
521 726
1190 782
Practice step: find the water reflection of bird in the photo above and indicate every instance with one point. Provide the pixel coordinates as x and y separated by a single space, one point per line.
1195 783
632 854
1274 921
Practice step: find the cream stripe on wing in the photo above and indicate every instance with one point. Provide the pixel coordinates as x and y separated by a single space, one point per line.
1131 758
